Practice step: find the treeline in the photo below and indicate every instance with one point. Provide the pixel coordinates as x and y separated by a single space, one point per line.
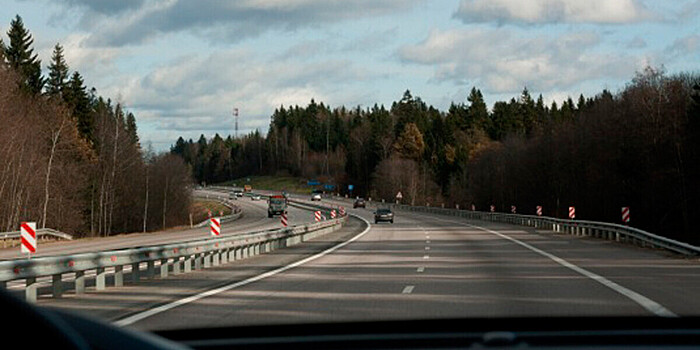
72 160
637 147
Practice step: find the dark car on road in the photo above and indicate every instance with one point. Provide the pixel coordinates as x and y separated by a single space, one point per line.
383 214
359 203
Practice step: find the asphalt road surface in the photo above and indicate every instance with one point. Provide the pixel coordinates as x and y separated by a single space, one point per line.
254 218
422 266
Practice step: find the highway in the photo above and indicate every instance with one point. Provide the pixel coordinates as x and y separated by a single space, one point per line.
254 218
422 266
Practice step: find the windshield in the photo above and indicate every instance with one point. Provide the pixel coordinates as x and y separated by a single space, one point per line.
538 158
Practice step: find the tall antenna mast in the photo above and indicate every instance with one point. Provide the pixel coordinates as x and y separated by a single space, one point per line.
235 117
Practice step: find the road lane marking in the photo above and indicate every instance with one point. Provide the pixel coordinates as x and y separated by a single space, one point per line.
648 304
427 248
420 269
160 309
427 242
408 290
426 256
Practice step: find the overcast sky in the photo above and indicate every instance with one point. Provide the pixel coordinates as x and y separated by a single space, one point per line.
182 66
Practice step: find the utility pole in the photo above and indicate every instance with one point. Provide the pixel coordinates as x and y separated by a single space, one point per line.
235 117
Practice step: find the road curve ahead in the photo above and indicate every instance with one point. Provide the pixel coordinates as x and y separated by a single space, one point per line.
426 266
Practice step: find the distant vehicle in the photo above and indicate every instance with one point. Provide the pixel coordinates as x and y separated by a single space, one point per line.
276 205
247 188
360 202
383 214
316 195
236 193
255 197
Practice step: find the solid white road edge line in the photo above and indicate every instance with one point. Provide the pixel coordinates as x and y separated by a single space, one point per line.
648 304
151 312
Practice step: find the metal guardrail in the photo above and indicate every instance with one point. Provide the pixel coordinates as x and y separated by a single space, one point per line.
175 258
603 230
40 233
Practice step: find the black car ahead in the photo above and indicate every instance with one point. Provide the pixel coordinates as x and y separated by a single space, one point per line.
383 214
359 203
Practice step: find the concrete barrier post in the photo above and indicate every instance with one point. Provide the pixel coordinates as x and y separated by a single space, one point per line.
100 278
79 282
57 285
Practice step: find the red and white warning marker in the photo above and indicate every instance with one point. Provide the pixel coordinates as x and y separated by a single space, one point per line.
342 211
572 213
317 216
28 235
215 224
539 210
284 219
493 208
513 209
626 215
333 214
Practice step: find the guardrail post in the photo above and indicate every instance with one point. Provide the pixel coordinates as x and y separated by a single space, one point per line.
206 257
177 266
224 256
135 273
215 258
164 266
30 290
100 278
79 282
57 284
188 263
198 261
150 269
119 276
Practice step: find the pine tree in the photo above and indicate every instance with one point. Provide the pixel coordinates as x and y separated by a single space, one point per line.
21 57
58 73
131 129
77 98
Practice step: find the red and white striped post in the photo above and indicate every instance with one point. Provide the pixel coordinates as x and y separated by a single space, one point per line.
215 226
493 208
28 237
473 207
317 216
342 211
221 213
333 214
626 215
539 210
209 214
572 213
284 219
513 209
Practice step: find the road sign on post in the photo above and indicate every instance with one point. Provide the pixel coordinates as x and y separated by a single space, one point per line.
626 215
572 213
215 225
284 219
317 216
28 236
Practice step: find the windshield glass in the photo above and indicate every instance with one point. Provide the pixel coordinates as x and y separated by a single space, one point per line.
532 158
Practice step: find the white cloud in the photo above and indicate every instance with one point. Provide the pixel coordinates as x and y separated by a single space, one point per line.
502 62
552 11
138 21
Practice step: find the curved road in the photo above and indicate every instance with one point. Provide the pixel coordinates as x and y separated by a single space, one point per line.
422 266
